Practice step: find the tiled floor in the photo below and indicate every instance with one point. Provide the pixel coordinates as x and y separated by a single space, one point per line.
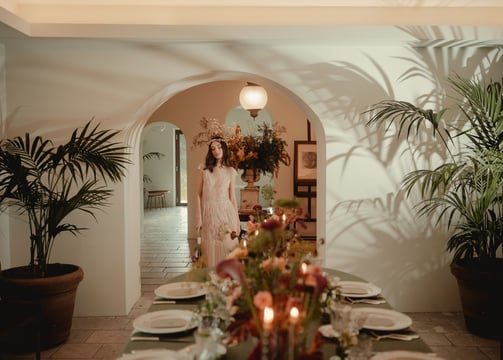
165 253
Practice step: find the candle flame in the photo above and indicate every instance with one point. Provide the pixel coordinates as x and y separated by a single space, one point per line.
303 267
294 314
268 315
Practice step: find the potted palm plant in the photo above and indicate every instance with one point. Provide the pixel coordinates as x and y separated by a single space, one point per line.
47 183
465 192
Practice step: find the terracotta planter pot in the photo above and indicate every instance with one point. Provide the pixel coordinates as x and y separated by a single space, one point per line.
53 296
481 292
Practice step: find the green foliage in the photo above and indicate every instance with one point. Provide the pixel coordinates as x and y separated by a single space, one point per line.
466 190
48 183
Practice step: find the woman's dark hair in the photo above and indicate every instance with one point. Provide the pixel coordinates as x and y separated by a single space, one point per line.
210 162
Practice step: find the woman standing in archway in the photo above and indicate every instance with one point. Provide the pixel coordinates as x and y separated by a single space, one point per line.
217 215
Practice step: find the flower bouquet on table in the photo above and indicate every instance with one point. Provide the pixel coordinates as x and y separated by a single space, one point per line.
274 292
269 289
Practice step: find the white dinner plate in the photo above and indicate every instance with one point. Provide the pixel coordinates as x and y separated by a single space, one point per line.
181 290
328 331
191 351
358 289
404 355
164 322
155 354
384 319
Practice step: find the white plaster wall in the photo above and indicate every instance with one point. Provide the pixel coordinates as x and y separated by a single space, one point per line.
54 85
160 171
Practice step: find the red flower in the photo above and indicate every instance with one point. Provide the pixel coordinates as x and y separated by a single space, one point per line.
271 224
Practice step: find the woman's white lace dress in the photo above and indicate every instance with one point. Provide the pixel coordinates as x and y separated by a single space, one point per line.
219 214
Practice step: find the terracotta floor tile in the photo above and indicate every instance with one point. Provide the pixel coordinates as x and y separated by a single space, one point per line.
109 352
99 322
433 339
459 353
76 351
109 337
78 336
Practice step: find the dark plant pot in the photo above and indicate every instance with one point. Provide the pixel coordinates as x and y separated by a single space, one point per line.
481 291
52 296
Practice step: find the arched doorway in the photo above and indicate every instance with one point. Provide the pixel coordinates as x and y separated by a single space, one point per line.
184 105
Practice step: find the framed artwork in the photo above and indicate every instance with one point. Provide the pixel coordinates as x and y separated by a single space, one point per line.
305 162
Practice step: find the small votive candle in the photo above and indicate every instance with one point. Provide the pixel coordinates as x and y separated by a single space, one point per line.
268 317
244 243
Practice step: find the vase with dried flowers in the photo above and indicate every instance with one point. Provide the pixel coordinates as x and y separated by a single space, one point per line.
262 152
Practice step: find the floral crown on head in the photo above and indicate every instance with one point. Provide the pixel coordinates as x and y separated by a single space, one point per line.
217 138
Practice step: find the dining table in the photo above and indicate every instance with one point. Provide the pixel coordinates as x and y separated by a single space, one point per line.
181 340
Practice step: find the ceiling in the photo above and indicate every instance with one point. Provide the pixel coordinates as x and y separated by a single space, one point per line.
423 22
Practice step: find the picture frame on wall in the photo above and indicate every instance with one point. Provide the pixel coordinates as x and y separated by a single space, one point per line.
305 162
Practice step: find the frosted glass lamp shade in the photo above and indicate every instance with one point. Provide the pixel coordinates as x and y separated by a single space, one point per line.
253 98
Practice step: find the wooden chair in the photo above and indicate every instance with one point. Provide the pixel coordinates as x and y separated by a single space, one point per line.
156 198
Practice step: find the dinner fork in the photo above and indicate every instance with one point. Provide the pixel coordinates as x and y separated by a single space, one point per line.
394 336
371 301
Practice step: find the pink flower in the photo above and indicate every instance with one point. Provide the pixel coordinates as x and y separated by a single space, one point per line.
252 226
231 268
273 263
262 299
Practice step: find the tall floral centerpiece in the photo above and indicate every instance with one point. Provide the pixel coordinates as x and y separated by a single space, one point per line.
276 291
269 294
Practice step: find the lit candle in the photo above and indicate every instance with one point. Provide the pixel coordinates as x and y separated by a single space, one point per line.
268 317
303 268
294 315
244 243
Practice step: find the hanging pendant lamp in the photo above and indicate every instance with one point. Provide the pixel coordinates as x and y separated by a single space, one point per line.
253 98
